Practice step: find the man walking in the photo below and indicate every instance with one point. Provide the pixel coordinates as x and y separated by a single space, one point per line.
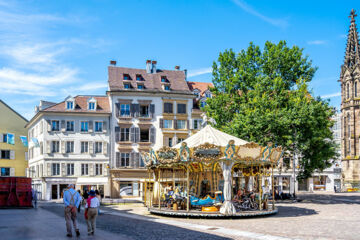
72 201
91 211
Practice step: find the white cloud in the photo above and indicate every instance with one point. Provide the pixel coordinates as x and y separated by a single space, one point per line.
338 94
273 21
317 42
197 72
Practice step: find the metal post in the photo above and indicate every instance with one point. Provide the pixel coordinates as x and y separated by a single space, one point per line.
260 188
159 194
272 186
145 188
188 189
174 180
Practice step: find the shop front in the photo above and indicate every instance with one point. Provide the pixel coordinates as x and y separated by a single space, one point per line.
93 183
127 183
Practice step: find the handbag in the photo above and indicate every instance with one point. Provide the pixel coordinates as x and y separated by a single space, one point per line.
86 213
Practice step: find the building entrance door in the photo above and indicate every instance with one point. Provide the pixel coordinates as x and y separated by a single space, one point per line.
62 188
303 185
54 193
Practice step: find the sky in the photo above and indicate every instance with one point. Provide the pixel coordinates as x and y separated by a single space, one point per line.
52 49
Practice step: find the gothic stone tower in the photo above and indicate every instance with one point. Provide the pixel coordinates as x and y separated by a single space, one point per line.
350 108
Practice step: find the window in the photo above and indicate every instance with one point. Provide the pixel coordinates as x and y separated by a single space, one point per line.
84 126
5 172
69 105
181 108
180 124
84 147
144 110
91 106
126 77
197 123
5 154
98 147
202 104
84 169
286 162
144 135
4 137
168 123
167 88
125 159
98 126
168 108
163 79
98 169
56 169
355 90
55 146
70 169
208 94
140 86
197 94
138 77
70 126
124 134
179 140
55 126
141 163
347 91
125 110
127 86
70 147
170 142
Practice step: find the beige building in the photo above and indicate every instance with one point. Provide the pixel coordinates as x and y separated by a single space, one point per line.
350 109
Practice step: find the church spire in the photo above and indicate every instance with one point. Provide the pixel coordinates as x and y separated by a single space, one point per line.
352 54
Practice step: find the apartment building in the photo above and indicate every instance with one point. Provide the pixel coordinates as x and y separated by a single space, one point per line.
69 143
151 108
13 152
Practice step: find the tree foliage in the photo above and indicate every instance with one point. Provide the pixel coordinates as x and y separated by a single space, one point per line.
262 96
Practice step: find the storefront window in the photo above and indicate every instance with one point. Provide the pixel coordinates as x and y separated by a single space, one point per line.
319 182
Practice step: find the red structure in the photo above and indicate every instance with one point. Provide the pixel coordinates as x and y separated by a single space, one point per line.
15 192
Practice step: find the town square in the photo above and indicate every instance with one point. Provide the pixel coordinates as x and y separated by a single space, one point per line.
179 119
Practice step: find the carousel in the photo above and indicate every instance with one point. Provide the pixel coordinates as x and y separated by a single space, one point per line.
211 175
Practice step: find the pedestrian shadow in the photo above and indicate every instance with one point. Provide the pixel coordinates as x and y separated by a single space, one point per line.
290 211
330 199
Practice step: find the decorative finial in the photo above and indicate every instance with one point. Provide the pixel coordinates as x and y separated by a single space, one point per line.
352 15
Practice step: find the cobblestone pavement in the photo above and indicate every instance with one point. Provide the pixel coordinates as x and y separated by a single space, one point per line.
317 216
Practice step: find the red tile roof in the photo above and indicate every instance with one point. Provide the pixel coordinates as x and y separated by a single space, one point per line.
151 81
201 86
103 105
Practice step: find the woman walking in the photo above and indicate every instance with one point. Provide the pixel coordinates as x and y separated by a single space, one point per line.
91 211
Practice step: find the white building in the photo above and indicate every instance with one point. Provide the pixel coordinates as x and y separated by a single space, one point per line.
151 108
68 143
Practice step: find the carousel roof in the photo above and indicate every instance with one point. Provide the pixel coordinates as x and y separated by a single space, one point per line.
210 135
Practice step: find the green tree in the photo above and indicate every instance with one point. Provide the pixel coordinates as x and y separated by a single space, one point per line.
262 96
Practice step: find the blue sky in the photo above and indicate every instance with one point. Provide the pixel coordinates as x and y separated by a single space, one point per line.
52 49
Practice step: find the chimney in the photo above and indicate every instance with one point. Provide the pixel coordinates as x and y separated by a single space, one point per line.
177 68
153 66
185 72
113 62
148 66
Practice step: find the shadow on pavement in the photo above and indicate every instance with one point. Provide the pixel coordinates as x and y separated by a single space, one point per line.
289 211
136 228
330 199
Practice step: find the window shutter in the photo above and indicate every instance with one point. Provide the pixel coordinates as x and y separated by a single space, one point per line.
91 147
137 110
62 124
63 143
48 172
105 169
12 154
137 160
91 124
175 124
12 172
63 169
161 123
104 126
152 110
91 169
152 134
117 134
192 124
132 134
48 125
137 134
117 162
117 109
132 110
132 159
187 124
41 127
26 156
1 137
105 148
48 145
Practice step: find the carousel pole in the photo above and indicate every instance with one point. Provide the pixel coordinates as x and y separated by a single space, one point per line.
145 188
174 180
159 194
260 187
272 186
188 189
150 192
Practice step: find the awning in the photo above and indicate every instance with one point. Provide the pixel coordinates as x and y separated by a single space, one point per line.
92 180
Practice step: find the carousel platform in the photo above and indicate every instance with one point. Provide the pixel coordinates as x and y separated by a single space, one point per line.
214 215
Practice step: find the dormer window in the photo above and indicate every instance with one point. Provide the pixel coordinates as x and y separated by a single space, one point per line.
127 86
140 86
92 104
126 77
208 94
139 77
197 93
163 79
167 87
70 105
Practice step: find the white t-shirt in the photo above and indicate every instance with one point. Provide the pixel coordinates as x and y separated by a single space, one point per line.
94 203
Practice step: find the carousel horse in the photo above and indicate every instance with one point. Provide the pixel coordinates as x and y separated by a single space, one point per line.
208 200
